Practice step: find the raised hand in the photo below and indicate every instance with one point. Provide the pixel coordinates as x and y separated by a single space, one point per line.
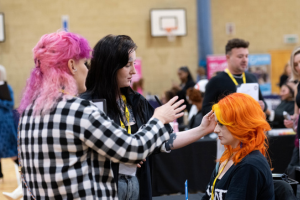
170 111
208 123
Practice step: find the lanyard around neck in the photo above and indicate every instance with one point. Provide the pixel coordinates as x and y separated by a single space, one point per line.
233 79
126 115
213 187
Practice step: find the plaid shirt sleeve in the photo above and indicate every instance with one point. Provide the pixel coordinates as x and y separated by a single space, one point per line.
110 140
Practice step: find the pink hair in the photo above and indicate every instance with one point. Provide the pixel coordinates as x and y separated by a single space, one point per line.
51 73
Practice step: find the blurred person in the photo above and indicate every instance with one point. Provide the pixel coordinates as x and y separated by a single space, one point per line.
294 122
201 73
110 73
169 94
286 74
195 97
67 143
226 82
287 95
295 65
8 130
200 85
242 172
186 81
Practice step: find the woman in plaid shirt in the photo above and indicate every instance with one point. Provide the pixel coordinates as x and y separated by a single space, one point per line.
60 135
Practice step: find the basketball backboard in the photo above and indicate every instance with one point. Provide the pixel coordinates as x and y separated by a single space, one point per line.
166 20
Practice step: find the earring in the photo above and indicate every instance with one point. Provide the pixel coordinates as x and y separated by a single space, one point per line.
75 70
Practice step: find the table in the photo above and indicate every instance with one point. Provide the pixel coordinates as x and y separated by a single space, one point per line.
196 162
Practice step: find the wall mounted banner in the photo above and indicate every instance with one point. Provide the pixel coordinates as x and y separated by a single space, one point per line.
260 66
215 63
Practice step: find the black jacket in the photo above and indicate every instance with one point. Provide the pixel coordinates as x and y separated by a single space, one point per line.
287 106
143 173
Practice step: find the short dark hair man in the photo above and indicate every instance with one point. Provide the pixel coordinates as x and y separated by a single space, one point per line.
221 85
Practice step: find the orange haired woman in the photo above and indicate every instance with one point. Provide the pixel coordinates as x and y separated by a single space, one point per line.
243 171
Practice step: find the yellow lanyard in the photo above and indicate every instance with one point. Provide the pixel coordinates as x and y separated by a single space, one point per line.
213 187
126 115
233 79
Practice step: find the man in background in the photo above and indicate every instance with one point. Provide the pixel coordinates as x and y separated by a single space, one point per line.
226 82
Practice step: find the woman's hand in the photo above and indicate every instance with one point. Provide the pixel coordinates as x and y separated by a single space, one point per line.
208 123
288 123
170 111
294 116
139 165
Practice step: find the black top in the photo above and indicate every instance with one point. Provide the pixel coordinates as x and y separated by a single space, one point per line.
195 120
250 179
222 85
287 106
182 93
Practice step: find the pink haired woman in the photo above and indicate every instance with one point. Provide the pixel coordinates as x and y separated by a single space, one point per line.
60 135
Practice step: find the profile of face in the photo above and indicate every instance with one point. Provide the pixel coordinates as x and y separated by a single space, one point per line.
225 136
182 75
237 60
79 71
124 75
285 93
297 63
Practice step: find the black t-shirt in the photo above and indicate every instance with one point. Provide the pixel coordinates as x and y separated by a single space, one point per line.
222 85
250 179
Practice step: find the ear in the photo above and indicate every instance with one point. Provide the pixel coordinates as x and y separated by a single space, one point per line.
71 65
227 56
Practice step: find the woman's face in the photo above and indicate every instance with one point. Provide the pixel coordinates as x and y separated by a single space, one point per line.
225 137
285 93
182 75
80 74
297 63
124 75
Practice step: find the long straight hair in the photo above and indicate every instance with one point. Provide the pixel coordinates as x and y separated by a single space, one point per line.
246 121
110 54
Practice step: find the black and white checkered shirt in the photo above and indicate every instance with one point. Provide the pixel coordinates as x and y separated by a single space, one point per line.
67 154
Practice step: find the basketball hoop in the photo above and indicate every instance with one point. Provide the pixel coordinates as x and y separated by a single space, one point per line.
170 34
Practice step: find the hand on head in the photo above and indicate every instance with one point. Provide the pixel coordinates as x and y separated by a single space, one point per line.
170 111
208 123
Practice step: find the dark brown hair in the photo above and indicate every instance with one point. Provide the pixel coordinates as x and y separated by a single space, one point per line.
235 43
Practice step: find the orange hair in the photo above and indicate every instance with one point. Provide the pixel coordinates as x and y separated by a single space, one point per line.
246 121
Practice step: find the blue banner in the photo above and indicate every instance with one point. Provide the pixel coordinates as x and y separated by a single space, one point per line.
259 59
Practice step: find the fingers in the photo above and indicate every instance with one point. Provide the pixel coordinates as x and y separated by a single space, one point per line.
210 114
140 164
178 110
179 115
172 101
177 104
